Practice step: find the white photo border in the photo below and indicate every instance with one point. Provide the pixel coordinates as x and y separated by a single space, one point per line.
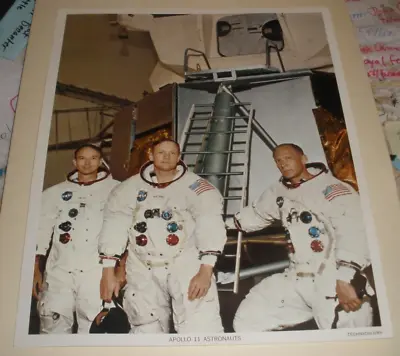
23 339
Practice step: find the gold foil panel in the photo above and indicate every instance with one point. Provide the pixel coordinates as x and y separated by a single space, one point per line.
141 149
335 141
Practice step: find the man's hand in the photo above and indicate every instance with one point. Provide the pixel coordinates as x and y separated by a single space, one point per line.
37 282
120 275
347 296
200 283
109 285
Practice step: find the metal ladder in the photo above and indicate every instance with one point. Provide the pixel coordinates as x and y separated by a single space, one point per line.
236 175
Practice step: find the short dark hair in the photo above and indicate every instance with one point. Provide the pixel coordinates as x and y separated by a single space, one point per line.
294 146
165 139
90 145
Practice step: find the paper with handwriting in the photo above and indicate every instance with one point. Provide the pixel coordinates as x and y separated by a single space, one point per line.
10 76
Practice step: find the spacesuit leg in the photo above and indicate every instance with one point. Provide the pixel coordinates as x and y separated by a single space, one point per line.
199 315
272 304
324 308
88 301
146 305
56 303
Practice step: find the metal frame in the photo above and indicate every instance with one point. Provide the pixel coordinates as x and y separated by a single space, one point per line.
243 199
105 103
186 58
99 138
188 130
91 96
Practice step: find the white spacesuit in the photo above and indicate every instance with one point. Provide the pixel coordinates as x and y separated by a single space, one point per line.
73 213
326 241
170 230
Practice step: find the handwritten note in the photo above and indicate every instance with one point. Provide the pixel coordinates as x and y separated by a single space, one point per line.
377 25
15 27
374 12
10 74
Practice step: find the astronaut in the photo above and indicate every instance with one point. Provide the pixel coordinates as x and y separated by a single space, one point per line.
171 222
326 244
71 219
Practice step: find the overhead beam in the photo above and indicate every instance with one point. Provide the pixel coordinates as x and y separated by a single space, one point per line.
91 96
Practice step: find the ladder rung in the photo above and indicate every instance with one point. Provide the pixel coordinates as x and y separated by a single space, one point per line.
229 256
235 188
239 142
224 117
202 113
225 289
211 105
213 132
230 117
220 174
241 104
241 127
232 198
204 105
216 152
193 143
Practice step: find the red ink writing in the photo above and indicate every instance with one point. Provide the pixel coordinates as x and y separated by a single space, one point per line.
380 62
385 14
13 103
394 60
374 11
383 61
383 74
379 47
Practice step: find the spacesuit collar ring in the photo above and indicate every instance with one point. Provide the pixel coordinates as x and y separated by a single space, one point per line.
100 170
316 165
161 185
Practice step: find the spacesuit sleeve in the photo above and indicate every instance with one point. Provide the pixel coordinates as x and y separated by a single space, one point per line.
351 241
48 217
259 214
118 214
210 233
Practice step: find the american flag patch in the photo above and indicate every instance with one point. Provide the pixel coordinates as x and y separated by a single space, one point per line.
335 190
201 186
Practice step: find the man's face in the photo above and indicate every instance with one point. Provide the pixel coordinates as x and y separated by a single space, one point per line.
290 162
165 156
87 161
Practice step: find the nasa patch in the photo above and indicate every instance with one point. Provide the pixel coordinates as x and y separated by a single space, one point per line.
66 196
142 195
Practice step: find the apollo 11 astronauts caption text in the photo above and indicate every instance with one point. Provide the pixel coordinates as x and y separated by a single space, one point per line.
204 339
240 220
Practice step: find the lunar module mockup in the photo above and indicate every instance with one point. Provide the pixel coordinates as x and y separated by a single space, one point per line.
227 121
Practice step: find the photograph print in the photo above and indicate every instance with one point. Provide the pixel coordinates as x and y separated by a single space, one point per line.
200 188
